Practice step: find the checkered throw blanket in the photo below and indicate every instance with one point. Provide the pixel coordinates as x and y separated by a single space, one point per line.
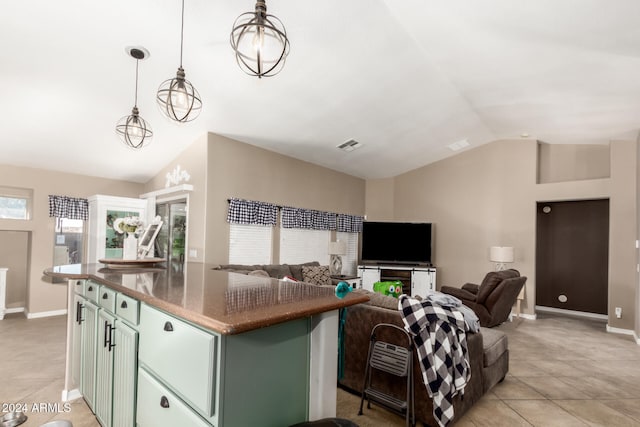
439 335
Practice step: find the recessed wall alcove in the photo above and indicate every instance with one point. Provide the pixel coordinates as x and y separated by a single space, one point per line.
572 162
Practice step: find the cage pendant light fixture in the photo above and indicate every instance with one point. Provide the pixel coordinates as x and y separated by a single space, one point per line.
177 98
134 131
260 42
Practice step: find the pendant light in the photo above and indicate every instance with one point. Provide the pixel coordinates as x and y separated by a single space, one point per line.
133 129
260 42
177 98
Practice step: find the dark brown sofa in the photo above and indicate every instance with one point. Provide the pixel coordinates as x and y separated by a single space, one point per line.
494 298
488 356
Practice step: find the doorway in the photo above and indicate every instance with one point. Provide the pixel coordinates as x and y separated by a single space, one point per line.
572 255
14 255
171 240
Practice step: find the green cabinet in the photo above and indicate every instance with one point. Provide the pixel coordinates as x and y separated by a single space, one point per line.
259 377
104 368
105 353
125 366
88 352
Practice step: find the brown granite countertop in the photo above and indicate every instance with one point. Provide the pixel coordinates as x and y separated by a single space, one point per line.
227 303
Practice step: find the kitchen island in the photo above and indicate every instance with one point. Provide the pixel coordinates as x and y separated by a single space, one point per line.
198 346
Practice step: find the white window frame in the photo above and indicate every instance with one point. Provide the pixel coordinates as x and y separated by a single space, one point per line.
15 193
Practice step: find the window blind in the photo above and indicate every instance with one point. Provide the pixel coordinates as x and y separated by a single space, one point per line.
250 244
350 259
298 246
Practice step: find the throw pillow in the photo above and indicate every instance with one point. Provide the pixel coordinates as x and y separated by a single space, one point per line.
260 273
316 275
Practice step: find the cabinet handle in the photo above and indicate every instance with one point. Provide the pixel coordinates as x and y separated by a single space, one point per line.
111 343
78 282
106 333
123 305
79 308
90 289
105 296
164 402
168 327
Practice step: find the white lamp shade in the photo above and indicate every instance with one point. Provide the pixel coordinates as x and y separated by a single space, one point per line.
337 248
501 254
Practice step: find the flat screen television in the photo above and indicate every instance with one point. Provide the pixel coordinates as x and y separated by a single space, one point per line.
396 243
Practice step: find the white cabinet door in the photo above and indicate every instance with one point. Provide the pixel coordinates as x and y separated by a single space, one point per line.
422 282
369 277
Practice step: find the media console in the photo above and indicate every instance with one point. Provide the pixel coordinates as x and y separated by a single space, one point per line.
415 280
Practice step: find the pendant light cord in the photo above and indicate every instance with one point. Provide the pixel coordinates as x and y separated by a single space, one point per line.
181 33
135 103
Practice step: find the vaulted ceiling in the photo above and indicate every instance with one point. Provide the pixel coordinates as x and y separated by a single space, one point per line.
406 78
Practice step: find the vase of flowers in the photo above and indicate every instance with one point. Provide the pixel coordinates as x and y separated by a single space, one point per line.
132 225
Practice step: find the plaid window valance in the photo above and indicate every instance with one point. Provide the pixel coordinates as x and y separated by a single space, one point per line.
262 213
307 219
349 223
68 207
252 212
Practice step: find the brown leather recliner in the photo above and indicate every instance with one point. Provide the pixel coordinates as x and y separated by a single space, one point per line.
493 299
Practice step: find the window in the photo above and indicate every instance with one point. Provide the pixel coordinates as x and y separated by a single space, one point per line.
298 246
15 203
250 244
68 242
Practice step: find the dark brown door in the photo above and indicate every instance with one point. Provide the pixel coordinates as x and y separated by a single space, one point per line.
572 252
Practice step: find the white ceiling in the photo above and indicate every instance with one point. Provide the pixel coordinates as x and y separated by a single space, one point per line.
404 77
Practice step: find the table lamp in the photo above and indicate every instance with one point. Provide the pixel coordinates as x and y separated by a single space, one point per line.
336 249
501 255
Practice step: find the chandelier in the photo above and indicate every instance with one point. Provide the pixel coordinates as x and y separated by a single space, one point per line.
134 131
260 42
177 98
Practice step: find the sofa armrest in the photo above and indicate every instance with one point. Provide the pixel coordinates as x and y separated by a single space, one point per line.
471 287
459 293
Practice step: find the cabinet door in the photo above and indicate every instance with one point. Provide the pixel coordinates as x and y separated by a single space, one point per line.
422 282
125 366
369 277
181 355
76 343
104 367
88 364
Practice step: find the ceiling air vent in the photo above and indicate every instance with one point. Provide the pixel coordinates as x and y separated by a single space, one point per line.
458 145
350 145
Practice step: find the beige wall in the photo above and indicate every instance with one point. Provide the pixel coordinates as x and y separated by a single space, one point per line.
379 196
43 296
487 196
194 161
572 162
637 299
244 171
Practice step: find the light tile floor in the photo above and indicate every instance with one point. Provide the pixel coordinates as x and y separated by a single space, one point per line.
563 372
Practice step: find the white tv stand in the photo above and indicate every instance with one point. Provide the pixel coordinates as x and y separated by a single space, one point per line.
415 280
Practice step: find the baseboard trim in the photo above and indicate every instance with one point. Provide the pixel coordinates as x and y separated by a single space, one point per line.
621 331
544 309
526 316
68 395
46 314
14 310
